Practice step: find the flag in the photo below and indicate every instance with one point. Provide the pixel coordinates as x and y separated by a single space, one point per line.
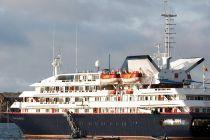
205 68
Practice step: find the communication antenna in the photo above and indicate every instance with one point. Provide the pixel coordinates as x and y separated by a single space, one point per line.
53 42
158 55
76 49
109 62
168 34
56 60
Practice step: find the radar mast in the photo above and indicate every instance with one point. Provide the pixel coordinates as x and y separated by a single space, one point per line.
168 34
56 60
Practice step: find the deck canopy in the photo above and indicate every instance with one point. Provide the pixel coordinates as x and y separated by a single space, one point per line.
186 64
143 63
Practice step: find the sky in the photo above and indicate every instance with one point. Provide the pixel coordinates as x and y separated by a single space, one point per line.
116 27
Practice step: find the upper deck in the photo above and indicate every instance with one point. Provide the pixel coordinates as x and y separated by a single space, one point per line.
70 79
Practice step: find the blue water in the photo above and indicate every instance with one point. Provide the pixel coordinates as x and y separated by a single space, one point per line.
9 131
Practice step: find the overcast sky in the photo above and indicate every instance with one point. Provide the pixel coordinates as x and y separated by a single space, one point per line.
118 27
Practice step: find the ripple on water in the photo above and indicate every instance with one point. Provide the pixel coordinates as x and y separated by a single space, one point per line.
9 131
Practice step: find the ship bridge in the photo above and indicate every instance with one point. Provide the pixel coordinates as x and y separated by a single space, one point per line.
178 72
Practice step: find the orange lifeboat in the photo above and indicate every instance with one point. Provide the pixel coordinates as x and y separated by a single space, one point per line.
107 78
129 91
112 92
131 77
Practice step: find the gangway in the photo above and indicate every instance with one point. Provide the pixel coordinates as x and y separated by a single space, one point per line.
76 132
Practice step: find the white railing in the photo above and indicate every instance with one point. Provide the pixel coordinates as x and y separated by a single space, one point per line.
98 104
65 94
192 91
62 84
157 91
114 104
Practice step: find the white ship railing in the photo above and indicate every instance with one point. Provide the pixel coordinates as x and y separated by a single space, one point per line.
113 104
173 91
62 84
65 94
98 93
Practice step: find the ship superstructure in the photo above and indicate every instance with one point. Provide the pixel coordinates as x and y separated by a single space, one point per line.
126 102
145 89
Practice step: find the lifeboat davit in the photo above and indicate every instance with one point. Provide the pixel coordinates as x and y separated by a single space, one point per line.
107 79
131 77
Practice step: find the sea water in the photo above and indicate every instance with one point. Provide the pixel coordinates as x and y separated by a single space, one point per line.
10 131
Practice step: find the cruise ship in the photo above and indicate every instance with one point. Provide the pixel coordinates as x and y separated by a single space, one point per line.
142 98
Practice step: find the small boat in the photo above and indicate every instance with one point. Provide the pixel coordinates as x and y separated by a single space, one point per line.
112 92
109 78
129 91
131 77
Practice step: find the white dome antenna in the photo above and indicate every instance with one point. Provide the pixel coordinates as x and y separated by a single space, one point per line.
97 64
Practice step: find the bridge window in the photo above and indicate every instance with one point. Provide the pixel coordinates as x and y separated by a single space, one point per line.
176 75
66 78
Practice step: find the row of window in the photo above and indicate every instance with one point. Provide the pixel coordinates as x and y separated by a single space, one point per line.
68 89
200 110
113 98
107 98
117 110
105 110
78 78
207 98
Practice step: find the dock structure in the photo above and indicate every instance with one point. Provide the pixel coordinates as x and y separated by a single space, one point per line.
6 100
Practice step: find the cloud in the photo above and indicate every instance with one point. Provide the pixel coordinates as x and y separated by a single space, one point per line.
118 27
11 33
